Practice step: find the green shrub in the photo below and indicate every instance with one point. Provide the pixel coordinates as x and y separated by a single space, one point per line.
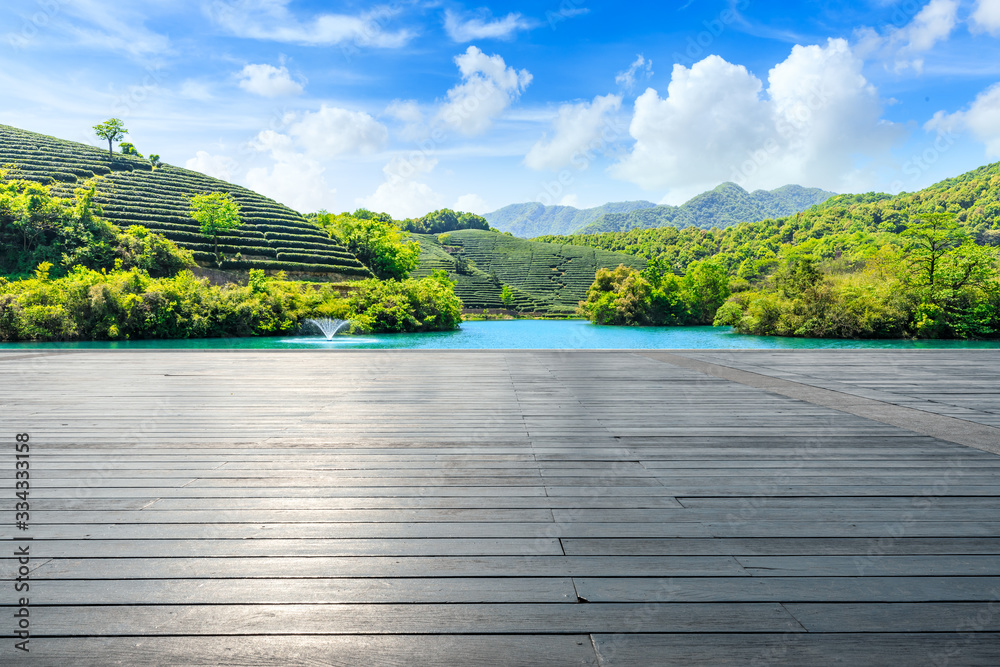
412 305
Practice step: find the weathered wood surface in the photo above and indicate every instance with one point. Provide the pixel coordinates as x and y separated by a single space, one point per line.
546 507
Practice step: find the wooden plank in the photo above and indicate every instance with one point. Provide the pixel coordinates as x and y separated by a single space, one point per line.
291 516
947 617
788 589
388 530
779 546
873 565
797 649
333 619
750 526
320 590
155 504
317 651
380 566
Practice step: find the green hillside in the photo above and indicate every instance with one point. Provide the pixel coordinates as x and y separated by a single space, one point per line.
842 224
922 264
131 192
726 205
534 219
544 277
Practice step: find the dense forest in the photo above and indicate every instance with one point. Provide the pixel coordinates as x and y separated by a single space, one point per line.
870 265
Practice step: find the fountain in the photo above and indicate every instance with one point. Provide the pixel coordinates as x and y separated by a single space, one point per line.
330 327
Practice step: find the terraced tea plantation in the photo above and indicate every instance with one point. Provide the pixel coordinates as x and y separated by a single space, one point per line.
131 192
544 277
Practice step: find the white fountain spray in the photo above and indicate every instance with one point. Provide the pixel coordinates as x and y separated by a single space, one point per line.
329 327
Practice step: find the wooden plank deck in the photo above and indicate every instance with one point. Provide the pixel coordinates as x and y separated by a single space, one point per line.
493 507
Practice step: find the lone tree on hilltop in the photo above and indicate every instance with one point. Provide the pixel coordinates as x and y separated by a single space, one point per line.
112 130
216 212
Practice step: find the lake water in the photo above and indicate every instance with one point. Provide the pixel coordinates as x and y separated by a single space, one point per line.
525 334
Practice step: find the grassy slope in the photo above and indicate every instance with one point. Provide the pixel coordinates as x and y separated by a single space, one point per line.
544 277
132 193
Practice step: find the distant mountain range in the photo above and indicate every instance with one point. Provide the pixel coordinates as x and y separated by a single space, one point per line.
533 219
726 205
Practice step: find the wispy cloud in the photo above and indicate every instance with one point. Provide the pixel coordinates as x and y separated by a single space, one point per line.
982 119
90 24
484 26
272 20
903 48
640 68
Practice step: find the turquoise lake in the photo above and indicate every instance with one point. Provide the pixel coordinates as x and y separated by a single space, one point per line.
524 334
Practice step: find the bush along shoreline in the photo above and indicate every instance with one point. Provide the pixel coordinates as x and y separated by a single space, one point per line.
120 305
929 280
72 276
934 282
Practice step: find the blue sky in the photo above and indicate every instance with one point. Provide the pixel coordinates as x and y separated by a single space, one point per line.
411 105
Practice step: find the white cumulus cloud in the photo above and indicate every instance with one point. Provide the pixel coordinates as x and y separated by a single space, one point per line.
409 115
580 130
268 81
471 203
986 17
333 131
401 195
280 146
488 87
484 26
297 182
982 118
818 117
216 166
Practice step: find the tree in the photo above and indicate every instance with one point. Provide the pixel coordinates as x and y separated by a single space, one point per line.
111 130
154 160
507 297
929 239
444 220
216 212
704 288
375 240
